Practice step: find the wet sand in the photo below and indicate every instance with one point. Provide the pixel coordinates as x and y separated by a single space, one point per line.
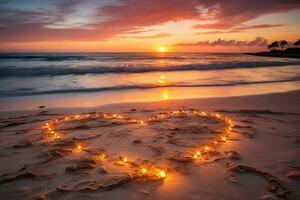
155 150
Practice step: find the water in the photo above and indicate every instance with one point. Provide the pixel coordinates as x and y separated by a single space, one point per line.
90 79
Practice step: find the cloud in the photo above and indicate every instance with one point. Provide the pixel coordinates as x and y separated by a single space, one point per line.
259 26
69 20
218 32
113 19
258 41
159 35
230 13
241 29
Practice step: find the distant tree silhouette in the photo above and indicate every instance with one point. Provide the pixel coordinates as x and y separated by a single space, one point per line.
283 44
274 45
297 43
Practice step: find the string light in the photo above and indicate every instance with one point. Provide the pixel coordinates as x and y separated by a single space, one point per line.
144 170
56 136
206 148
123 159
103 156
150 172
162 174
78 147
197 155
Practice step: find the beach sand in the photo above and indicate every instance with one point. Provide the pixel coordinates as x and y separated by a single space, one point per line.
83 158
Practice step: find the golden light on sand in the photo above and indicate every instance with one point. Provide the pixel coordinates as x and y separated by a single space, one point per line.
79 147
102 156
144 171
124 159
197 155
224 138
56 136
162 174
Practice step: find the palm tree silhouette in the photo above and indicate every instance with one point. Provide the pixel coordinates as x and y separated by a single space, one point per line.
297 43
274 45
283 43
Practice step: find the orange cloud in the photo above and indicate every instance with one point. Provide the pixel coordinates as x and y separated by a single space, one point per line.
159 35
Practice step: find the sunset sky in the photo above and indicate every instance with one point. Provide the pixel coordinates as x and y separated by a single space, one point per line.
146 25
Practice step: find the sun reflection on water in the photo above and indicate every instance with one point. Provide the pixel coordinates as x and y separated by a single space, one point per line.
165 95
162 79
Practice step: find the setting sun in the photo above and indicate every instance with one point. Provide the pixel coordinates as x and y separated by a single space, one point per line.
162 49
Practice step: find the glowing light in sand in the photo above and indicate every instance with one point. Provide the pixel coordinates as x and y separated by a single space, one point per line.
79 147
197 155
224 138
148 172
56 136
123 159
102 156
142 122
162 174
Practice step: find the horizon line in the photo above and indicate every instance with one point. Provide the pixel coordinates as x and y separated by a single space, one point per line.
40 52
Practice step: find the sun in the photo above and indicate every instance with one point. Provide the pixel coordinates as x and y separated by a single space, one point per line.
162 49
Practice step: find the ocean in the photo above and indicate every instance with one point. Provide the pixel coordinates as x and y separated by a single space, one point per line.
29 80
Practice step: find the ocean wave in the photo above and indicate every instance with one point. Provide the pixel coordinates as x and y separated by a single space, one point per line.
43 58
95 56
30 92
12 71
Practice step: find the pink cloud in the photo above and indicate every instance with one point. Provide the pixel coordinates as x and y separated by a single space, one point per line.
242 29
258 41
159 35
131 16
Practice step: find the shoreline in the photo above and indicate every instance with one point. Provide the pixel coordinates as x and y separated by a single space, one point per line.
279 55
280 96
92 100
259 101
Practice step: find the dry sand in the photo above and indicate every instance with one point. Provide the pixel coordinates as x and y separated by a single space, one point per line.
259 160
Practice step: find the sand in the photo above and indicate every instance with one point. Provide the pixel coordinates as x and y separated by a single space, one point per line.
258 159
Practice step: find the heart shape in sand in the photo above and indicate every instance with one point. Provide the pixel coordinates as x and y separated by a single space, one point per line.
140 168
